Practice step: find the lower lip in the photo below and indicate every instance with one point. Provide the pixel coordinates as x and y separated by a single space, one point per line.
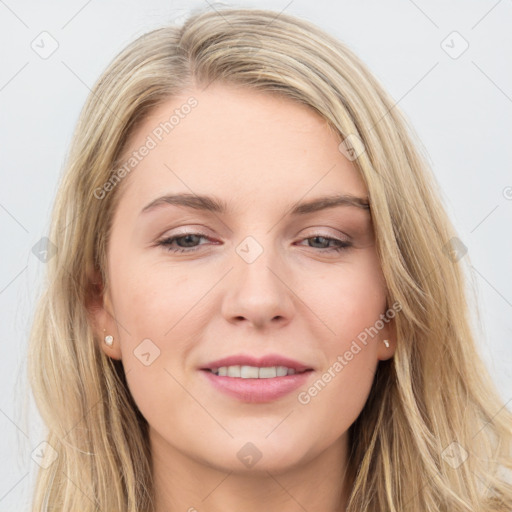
257 390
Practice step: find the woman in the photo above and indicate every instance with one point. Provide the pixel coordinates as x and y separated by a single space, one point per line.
257 297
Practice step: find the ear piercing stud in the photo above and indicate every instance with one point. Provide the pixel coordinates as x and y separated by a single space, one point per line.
109 340
386 342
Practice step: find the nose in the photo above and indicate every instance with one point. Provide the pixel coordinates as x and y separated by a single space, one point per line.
258 292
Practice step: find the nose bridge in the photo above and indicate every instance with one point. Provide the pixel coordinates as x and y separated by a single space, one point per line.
256 293
256 265
250 249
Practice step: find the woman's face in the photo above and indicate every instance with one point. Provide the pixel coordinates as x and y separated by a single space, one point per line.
230 266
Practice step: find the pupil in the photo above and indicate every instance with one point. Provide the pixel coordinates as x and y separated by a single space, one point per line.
187 239
316 238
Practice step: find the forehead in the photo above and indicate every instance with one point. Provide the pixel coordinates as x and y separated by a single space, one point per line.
239 144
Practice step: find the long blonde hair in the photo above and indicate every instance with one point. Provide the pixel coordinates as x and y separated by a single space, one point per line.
434 397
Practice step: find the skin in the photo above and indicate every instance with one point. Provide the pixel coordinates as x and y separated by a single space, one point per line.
259 153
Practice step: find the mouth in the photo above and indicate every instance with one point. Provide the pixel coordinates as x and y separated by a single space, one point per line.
256 380
254 372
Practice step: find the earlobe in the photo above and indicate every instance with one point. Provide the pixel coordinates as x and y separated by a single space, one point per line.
108 338
109 345
387 342
386 349
101 319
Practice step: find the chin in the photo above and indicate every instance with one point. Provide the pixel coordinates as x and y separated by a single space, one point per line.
257 454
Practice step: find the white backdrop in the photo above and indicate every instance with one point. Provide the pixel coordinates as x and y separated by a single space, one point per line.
446 64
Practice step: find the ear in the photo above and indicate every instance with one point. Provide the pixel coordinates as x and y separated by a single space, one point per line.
101 318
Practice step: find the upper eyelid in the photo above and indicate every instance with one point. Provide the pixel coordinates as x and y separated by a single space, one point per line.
199 231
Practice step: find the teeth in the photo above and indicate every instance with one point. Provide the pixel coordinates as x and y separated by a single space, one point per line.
268 373
253 372
282 371
249 372
233 371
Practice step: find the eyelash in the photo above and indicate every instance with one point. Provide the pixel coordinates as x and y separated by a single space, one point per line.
166 243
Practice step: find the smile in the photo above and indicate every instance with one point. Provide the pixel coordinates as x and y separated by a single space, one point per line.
253 372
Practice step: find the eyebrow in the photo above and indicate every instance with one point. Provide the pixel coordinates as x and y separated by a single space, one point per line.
214 205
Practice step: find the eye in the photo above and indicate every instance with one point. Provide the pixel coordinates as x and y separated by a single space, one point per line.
185 242
340 245
189 242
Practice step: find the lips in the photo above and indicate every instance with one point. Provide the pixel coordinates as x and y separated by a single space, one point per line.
256 390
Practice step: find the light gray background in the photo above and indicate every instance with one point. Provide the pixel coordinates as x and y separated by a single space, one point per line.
460 107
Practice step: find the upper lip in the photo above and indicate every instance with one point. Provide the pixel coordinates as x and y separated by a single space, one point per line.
265 361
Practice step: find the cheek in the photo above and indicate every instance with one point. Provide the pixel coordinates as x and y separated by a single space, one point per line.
158 310
336 398
354 301
353 304
348 297
151 306
151 298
